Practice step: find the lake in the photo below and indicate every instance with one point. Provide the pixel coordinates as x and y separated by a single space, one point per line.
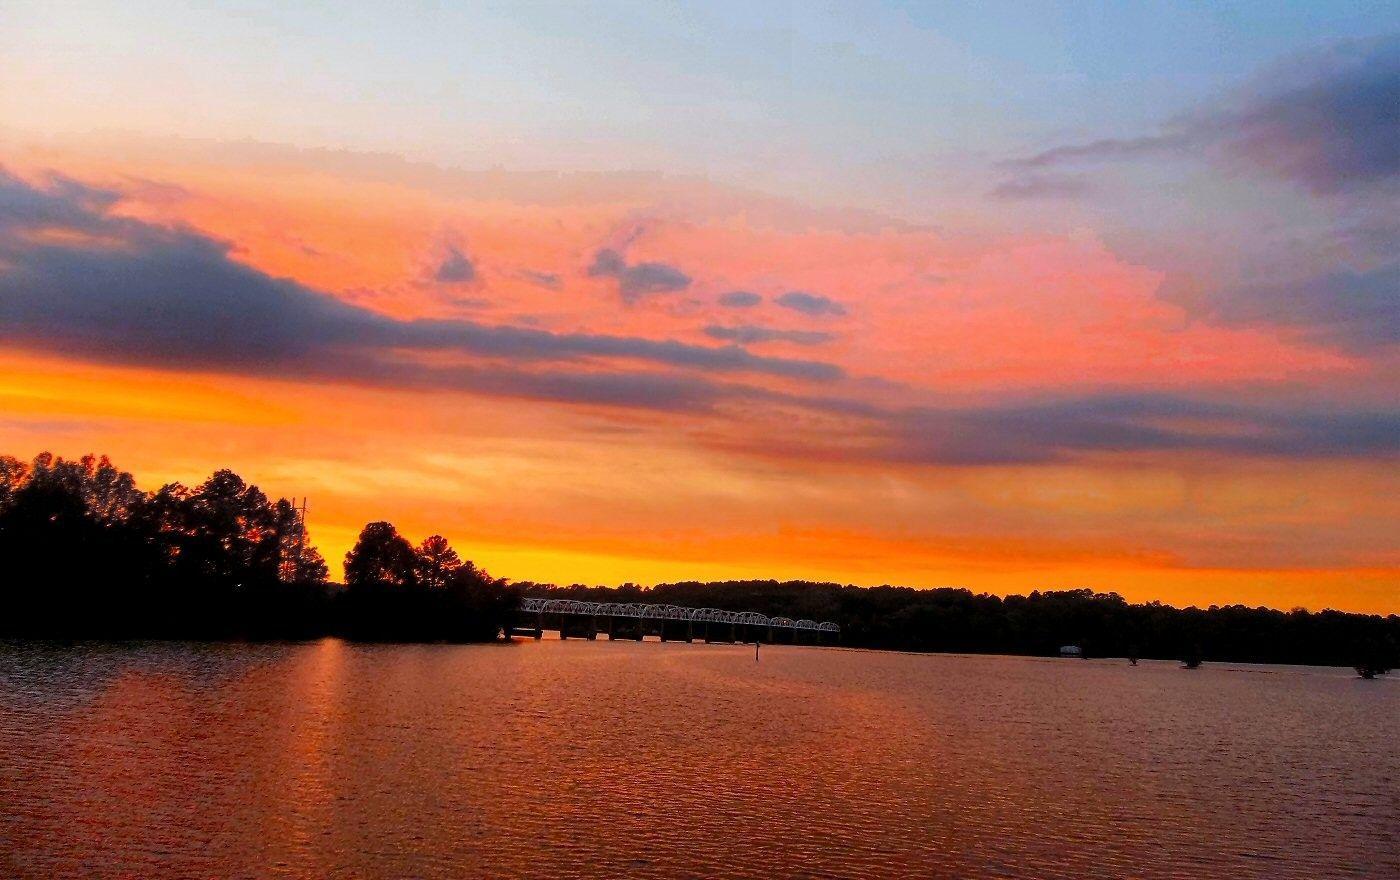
597 759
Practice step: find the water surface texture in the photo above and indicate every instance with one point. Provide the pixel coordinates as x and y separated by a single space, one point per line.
582 759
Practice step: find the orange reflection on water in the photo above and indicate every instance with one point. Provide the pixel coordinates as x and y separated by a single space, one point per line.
584 759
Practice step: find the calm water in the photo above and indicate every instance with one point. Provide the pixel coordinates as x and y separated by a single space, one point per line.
594 759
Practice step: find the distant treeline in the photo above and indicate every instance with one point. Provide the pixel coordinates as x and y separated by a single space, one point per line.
1102 624
84 553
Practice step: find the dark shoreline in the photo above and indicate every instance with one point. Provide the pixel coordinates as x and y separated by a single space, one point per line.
958 621
89 555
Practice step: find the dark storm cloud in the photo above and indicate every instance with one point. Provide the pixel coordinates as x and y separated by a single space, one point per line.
739 299
1332 124
810 303
748 334
640 279
456 268
123 290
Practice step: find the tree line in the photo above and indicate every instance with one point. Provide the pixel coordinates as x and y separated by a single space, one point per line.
87 554
1101 624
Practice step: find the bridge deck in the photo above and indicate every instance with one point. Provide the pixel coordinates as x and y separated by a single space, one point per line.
642 612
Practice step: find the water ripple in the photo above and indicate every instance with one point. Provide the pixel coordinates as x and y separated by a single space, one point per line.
571 760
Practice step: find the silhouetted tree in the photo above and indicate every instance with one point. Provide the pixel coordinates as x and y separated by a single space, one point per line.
1371 669
395 593
1376 658
436 562
12 475
481 604
381 557
231 533
300 562
54 548
89 554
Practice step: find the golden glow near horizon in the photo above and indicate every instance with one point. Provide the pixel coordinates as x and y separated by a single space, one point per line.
865 446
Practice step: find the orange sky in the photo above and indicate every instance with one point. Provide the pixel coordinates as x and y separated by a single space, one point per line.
996 410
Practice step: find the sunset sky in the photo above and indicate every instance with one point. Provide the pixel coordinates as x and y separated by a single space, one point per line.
1005 296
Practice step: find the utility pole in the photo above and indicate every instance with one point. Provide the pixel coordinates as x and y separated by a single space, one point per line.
301 532
292 566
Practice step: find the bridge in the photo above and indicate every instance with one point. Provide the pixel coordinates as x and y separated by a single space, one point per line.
634 620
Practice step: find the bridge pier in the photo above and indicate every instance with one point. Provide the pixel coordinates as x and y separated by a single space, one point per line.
583 629
626 629
720 635
671 631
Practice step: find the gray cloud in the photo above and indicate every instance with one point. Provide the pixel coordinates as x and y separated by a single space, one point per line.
739 299
607 262
1327 122
61 203
1347 309
673 392
637 280
1075 428
1042 186
456 268
749 334
1063 429
810 303
122 290
549 280
1106 149
645 278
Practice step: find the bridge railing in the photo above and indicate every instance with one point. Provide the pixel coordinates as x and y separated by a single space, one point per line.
646 611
